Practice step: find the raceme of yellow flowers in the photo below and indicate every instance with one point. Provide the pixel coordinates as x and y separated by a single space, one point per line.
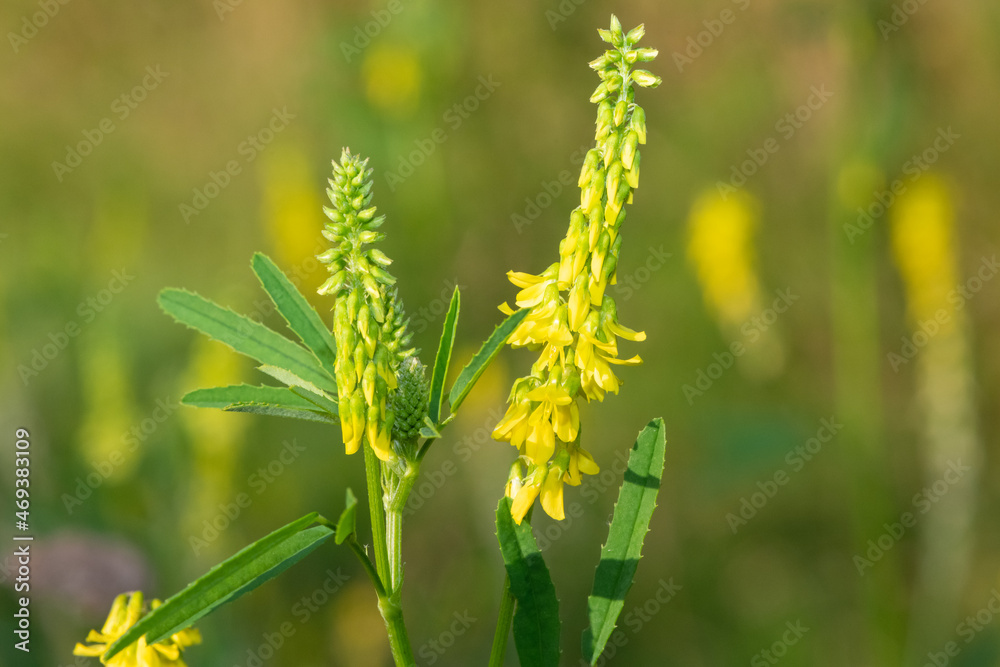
369 326
572 321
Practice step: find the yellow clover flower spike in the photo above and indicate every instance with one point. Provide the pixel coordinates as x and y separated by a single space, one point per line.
571 318
369 324
125 612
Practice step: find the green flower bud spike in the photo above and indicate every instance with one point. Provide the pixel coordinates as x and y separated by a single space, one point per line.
369 324
572 319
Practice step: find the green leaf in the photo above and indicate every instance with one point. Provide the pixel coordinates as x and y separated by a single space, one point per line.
223 397
300 315
629 525
324 403
243 572
278 411
244 336
470 374
277 401
347 521
536 619
443 358
430 430
293 380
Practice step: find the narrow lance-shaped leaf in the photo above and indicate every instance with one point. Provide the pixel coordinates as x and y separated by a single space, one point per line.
536 618
277 401
629 525
241 573
348 518
293 306
443 358
223 397
293 380
278 411
470 374
244 336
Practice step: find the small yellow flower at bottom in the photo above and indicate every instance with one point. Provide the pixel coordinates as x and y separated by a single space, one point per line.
126 612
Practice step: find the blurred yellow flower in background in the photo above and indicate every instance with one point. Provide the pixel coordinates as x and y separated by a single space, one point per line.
126 612
721 248
392 78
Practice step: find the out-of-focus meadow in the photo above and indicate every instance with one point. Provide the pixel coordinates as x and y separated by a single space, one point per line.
811 252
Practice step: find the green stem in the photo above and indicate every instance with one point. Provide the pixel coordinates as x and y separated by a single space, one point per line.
504 619
399 640
388 550
373 474
366 562
395 505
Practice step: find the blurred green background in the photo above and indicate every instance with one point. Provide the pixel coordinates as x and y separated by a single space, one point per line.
147 145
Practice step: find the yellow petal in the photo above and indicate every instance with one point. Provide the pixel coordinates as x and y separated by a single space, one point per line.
505 309
552 495
634 361
89 651
523 501
586 462
626 333
531 295
523 279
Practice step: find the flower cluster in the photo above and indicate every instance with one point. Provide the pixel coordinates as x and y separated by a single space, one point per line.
572 321
126 612
369 324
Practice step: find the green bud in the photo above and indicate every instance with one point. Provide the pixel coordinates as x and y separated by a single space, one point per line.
409 401
600 93
620 108
635 34
638 124
645 78
599 63
632 175
614 176
629 149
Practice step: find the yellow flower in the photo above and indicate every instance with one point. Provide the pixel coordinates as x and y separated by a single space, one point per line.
570 317
126 612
